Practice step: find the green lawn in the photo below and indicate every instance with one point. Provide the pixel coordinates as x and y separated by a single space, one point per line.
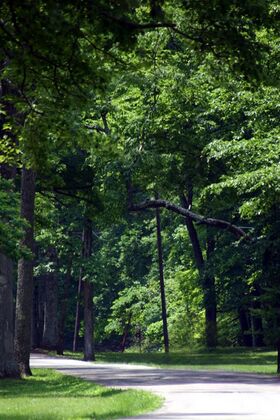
231 359
51 395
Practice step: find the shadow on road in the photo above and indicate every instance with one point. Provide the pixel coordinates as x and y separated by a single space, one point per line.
112 375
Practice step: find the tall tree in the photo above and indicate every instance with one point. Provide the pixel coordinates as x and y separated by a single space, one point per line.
25 275
50 331
88 295
8 245
64 305
162 286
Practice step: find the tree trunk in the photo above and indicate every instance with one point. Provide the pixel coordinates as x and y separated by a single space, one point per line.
210 299
257 323
78 309
197 251
41 310
50 332
162 286
63 310
8 365
35 315
125 333
244 322
88 296
78 302
258 330
278 357
208 282
25 276
88 321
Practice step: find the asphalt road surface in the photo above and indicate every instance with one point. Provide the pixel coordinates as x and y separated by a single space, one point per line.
189 395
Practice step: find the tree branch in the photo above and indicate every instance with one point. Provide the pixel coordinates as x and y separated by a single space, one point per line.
209 221
76 197
97 128
130 25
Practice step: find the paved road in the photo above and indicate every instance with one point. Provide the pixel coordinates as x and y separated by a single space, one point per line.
189 395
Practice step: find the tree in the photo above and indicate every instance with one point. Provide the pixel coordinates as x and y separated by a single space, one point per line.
88 295
163 149
50 331
8 365
10 233
162 287
25 275
254 184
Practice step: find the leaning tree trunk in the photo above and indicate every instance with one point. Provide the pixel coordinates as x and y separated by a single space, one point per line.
88 296
8 365
25 276
50 331
208 281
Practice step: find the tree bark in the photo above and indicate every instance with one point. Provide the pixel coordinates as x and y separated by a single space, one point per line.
88 296
161 281
25 276
8 365
50 332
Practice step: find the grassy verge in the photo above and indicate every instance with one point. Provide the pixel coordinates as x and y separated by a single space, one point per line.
51 395
237 359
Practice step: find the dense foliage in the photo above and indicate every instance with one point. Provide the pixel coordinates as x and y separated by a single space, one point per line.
115 106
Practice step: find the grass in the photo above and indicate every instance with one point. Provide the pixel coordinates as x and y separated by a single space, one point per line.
50 395
230 359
